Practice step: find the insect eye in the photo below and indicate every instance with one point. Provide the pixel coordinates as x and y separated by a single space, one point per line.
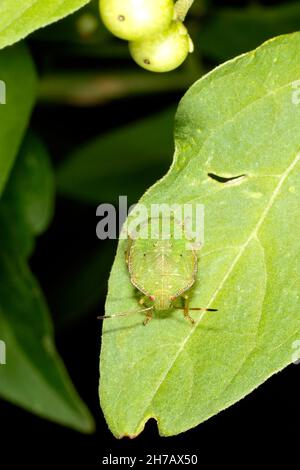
144 254
151 297
181 255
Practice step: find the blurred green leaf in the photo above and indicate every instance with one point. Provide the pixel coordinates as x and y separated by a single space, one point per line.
31 184
124 161
232 31
18 18
29 195
34 376
241 119
18 74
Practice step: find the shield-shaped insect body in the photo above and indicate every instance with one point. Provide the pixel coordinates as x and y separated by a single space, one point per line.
162 264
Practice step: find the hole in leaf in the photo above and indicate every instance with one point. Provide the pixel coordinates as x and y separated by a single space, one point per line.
223 179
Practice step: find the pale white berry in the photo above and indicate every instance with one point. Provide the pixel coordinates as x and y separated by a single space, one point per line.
134 19
163 51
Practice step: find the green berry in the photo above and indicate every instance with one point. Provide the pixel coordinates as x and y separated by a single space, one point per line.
164 51
134 19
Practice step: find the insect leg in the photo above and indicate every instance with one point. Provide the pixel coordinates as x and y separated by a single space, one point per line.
148 317
123 314
186 309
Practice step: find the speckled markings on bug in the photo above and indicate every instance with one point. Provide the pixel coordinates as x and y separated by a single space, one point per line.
163 270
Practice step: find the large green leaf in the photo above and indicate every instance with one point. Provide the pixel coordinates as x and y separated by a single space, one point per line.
17 72
18 18
241 119
34 376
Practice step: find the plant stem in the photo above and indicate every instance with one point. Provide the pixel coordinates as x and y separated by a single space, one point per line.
97 88
182 7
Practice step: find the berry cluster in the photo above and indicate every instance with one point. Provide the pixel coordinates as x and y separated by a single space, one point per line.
158 40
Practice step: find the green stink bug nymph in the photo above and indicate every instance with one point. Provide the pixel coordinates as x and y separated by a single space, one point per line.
162 268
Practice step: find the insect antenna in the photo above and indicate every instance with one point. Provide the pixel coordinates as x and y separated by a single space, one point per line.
196 308
123 314
205 309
